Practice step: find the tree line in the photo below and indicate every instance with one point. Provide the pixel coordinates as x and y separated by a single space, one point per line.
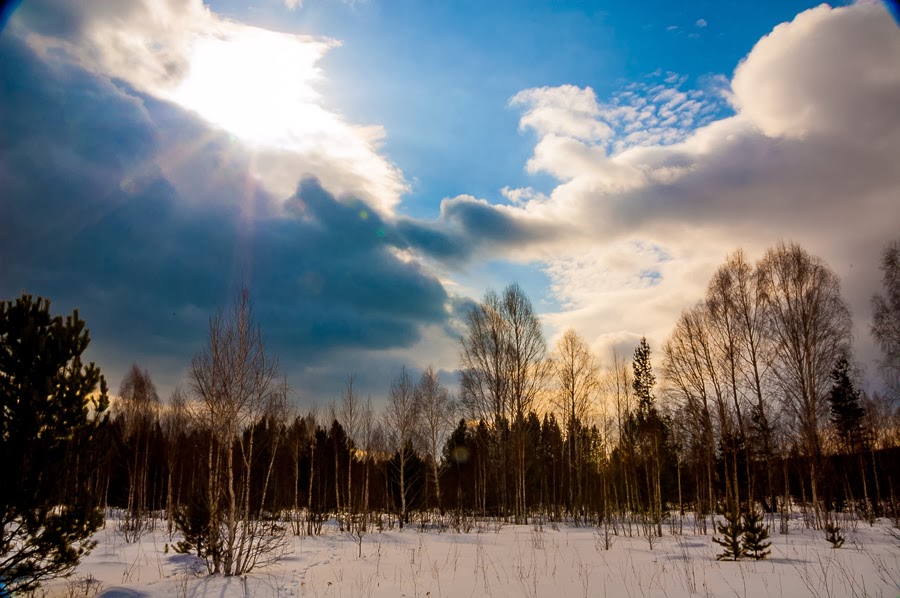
752 402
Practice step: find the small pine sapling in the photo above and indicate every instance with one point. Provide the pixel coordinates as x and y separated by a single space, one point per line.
833 534
731 531
756 536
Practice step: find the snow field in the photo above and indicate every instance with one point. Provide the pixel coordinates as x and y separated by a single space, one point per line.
501 561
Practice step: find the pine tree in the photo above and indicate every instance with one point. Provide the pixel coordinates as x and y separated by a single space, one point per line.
49 412
846 412
731 530
644 380
651 428
833 534
756 536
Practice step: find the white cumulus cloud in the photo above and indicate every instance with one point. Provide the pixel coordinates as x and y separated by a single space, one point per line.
651 209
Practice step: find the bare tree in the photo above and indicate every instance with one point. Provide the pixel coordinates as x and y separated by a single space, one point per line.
686 370
234 380
528 373
618 387
810 327
484 383
174 424
437 420
755 356
139 408
483 362
886 319
369 430
724 325
313 519
401 419
350 415
577 377
504 369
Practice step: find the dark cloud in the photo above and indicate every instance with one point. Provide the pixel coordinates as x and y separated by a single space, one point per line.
146 220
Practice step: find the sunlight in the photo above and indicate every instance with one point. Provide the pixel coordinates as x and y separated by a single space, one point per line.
257 85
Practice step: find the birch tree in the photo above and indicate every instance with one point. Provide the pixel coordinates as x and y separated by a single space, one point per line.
437 421
234 380
577 378
401 418
809 324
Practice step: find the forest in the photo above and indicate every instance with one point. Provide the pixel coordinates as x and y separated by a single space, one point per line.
753 407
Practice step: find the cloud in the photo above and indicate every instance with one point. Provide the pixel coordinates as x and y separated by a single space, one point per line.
146 43
523 196
148 223
255 84
701 23
805 77
566 110
160 213
809 154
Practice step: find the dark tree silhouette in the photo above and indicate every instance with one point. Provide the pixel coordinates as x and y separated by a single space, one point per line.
50 410
847 414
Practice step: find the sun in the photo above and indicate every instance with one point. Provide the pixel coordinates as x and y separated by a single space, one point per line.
257 85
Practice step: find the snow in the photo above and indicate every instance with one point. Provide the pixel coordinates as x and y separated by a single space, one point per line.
502 560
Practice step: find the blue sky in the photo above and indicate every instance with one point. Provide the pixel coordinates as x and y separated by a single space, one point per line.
439 75
369 168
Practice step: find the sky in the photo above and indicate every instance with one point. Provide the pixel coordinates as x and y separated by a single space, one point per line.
369 168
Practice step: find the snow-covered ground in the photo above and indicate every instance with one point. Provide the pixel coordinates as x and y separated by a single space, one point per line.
500 561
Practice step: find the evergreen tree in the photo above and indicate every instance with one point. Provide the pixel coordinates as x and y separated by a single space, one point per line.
833 534
644 380
756 537
846 412
731 530
49 413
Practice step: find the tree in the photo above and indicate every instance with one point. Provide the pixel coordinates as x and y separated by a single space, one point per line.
810 327
847 414
755 355
886 318
484 385
51 409
437 413
528 369
139 408
731 530
833 534
643 380
649 430
693 384
756 537
174 424
504 367
350 415
234 380
577 381
401 418
724 322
